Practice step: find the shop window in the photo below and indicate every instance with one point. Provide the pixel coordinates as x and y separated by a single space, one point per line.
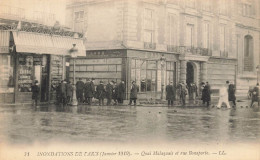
144 73
6 73
25 73
248 53
170 69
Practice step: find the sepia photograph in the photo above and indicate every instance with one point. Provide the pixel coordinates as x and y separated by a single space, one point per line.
129 79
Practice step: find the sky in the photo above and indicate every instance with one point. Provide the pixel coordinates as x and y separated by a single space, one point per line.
56 7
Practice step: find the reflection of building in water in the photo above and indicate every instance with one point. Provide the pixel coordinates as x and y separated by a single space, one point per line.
210 41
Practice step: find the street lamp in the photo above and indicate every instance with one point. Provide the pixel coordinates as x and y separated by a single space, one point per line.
73 54
162 60
257 72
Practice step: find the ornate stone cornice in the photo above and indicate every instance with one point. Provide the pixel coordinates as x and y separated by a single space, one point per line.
190 57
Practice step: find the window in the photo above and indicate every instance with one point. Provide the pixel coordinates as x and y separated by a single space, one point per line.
172 29
148 26
223 7
247 8
248 53
79 15
222 38
190 35
6 73
144 73
170 70
206 36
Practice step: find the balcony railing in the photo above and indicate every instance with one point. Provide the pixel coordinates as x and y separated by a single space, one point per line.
148 45
192 50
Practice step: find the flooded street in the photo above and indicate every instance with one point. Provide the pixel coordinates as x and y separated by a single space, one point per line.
24 124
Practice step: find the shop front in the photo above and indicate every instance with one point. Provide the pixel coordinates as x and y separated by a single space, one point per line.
152 71
40 57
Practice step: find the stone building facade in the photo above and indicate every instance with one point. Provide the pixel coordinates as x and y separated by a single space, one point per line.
177 40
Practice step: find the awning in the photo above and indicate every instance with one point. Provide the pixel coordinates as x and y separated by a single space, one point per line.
30 42
4 41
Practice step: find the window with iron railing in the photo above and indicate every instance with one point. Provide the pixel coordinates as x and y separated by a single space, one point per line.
149 29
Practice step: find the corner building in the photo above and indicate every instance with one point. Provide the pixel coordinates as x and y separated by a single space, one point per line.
158 41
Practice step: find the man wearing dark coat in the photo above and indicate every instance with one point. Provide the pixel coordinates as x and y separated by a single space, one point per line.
109 92
63 92
170 93
255 95
231 92
79 90
133 93
69 90
35 93
121 92
101 93
115 92
206 93
89 91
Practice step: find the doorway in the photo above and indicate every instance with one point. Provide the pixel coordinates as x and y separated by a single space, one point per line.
45 70
190 74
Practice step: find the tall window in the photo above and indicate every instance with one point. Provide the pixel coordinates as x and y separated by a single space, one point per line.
223 7
222 38
206 35
248 53
172 29
190 35
149 26
79 21
248 8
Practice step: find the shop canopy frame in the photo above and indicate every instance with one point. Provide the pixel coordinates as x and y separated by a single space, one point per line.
31 42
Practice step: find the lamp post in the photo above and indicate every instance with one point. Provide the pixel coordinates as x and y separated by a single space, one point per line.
257 72
73 54
162 60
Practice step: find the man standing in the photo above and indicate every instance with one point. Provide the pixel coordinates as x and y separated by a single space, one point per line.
69 90
101 93
89 91
255 95
121 92
109 92
35 93
206 93
231 92
133 93
223 96
63 93
170 93
79 90
115 92
183 93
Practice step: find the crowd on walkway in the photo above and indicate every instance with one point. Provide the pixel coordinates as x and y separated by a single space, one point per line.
115 93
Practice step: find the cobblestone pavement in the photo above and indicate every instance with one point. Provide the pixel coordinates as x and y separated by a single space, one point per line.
143 123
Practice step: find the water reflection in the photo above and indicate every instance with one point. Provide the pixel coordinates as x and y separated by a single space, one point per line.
128 124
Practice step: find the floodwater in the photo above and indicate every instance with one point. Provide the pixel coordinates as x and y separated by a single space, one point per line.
24 124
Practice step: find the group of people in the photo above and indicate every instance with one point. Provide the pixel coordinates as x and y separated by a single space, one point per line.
85 92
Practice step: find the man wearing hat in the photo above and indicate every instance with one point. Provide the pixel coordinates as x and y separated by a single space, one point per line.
109 92
101 93
79 90
35 93
89 91
231 92
115 92
170 93
133 93
121 92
